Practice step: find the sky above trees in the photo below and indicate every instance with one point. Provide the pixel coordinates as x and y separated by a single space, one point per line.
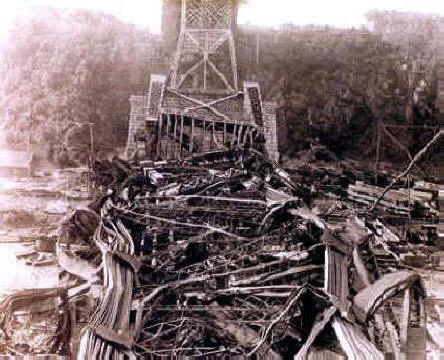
340 13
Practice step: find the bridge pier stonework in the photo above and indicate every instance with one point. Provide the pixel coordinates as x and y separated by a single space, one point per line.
201 104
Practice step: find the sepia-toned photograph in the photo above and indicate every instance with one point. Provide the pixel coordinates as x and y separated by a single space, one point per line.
222 179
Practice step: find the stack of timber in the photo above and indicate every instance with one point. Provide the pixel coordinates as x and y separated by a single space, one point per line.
396 201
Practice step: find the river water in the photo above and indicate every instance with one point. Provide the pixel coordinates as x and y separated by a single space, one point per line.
17 195
16 275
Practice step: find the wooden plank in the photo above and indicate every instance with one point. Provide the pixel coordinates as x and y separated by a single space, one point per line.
344 284
204 139
192 136
422 310
225 134
404 326
244 137
169 144
337 273
233 138
181 137
241 128
174 143
327 273
159 136
393 339
212 144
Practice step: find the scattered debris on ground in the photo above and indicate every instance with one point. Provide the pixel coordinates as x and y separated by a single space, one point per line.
225 254
35 322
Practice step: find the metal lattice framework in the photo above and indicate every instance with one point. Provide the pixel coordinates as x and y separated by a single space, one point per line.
205 58
208 13
200 106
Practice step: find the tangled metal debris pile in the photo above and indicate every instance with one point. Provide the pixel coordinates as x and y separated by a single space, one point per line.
226 254
223 254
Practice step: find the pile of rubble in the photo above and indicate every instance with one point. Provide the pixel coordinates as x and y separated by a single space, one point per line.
227 254
223 254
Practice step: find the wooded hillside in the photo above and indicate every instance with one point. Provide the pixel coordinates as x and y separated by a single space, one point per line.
64 69
340 86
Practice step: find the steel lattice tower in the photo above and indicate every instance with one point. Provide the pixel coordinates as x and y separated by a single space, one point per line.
205 59
200 106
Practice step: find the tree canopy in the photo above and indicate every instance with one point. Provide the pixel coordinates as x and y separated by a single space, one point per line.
65 69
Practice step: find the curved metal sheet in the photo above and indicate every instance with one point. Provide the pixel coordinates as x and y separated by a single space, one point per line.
368 299
353 341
